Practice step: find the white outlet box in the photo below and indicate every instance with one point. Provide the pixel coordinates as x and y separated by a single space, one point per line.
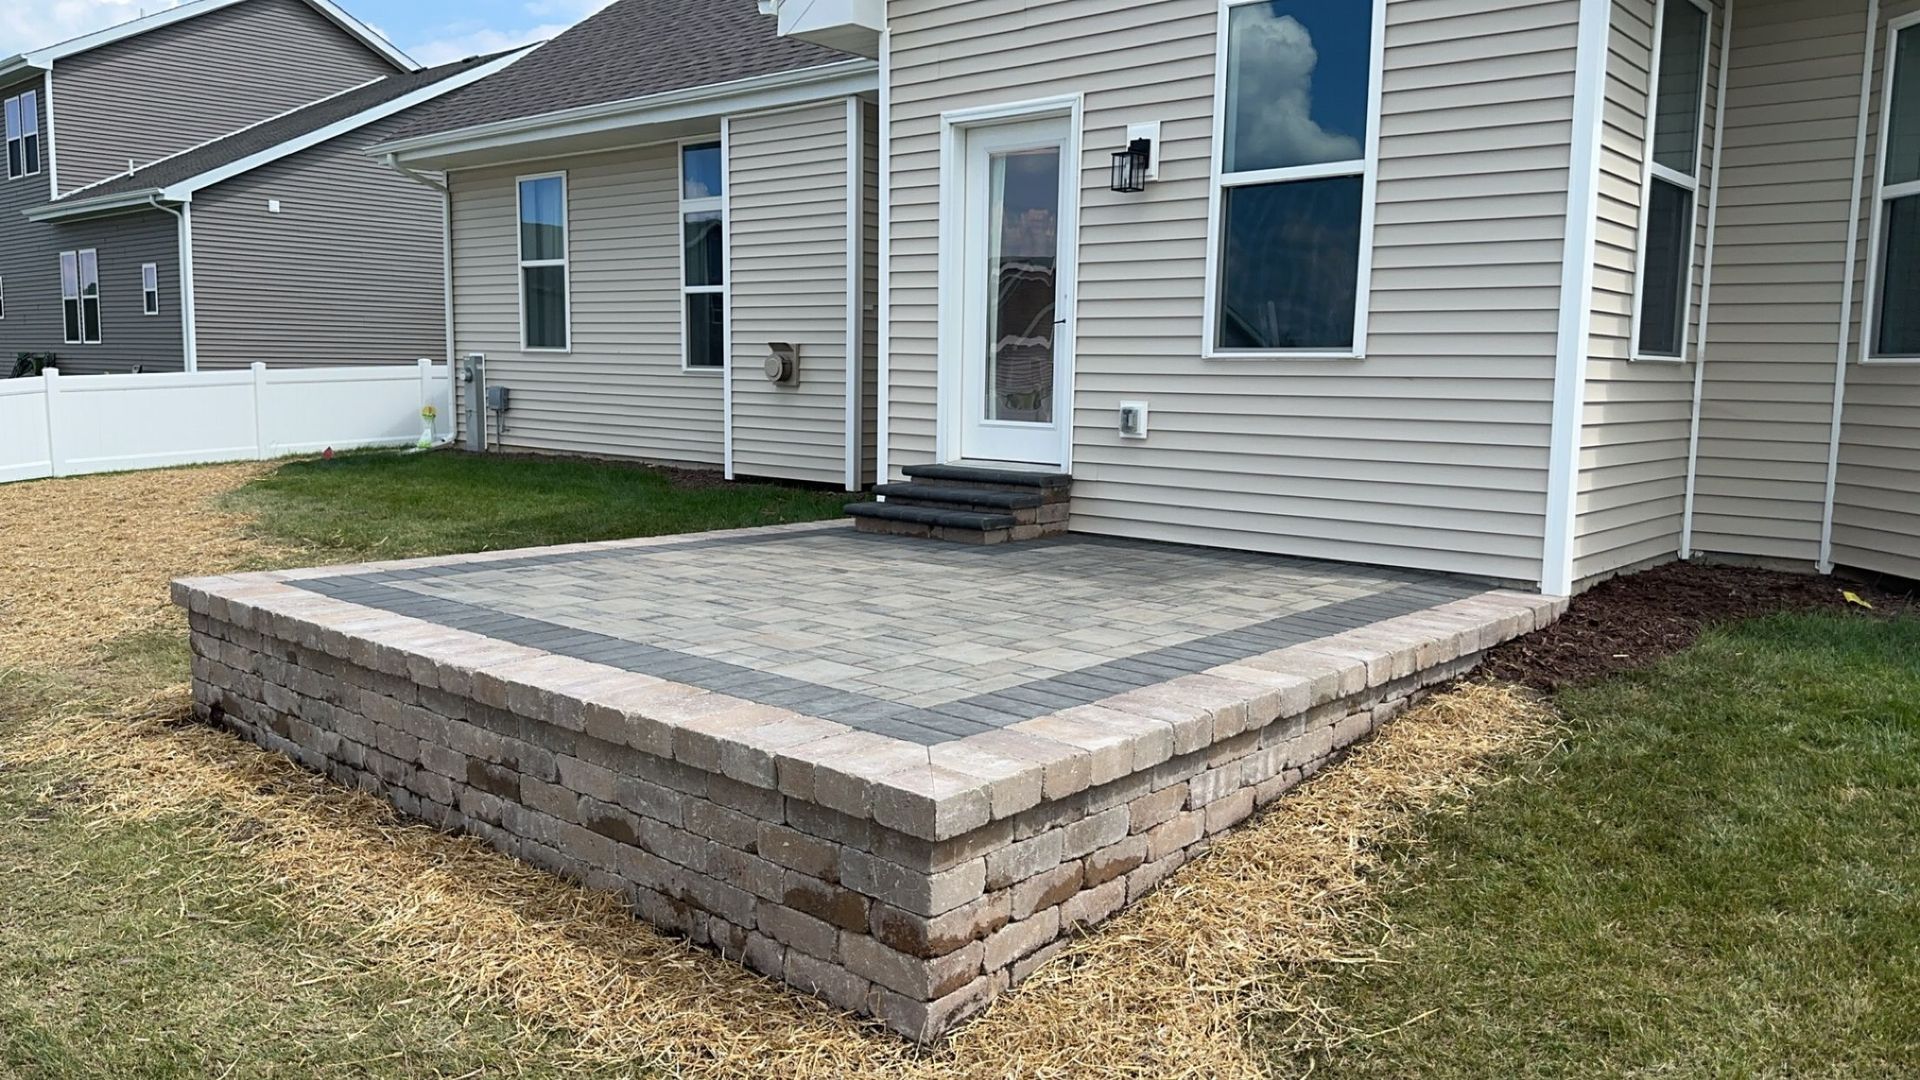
1133 420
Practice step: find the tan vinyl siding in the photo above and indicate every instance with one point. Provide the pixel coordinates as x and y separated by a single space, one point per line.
169 89
1432 451
787 211
621 390
1632 493
870 296
349 271
1766 416
1876 513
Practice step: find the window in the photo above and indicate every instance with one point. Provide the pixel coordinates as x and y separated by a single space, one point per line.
544 321
703 255
1671 184
23 135
150 289
80 296
1296 131
3 297
1896 295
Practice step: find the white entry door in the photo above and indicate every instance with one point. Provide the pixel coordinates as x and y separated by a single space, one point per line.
1019 191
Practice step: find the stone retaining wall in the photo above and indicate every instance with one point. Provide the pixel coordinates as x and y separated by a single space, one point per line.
706 841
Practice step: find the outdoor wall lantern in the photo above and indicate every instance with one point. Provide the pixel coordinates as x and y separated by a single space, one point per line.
1130 166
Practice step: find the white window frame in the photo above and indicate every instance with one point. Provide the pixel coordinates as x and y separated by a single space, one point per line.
150 288
1650 170
1366 167
78 297
16 133
721 204
1883 193
564 262
3 296
79 316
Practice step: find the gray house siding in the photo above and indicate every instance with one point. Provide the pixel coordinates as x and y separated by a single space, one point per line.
349 271
1430 452
30 273
169 89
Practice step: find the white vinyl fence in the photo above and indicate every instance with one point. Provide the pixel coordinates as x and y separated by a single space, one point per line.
55 426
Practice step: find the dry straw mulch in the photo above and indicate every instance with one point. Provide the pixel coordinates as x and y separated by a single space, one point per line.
87 560
1172 988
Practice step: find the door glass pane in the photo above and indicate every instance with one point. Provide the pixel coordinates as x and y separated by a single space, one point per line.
1899 305
1903 109
705 251
543 219
1663 295
706 330
1683 57
1290 264
1298 72
1023 255
546 304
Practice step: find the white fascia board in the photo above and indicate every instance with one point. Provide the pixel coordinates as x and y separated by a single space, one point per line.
44 58
183 191
759 93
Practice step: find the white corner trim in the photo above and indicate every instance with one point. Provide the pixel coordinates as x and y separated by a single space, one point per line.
1576 297
189 347
1825 564
1706 282
726 293
884 350
856 279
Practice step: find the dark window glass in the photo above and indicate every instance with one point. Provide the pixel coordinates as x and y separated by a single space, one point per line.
543 219
1663 293
30 126
700 175
1899 300
1298 76
706 250
706 330
546 306
1903 111
15 160
1290 264
70 296
1683 58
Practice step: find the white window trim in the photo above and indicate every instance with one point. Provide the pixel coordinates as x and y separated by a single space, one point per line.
565 262
1368 169
13 105
1651 170
80 318
722 205
3 296
30 129
79 296
1883 193
150 289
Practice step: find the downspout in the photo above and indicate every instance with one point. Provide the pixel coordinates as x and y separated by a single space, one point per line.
1576 297
392 161
1706 282
189 337
1825 565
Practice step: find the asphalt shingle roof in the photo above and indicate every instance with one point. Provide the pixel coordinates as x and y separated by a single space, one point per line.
271 133
631 49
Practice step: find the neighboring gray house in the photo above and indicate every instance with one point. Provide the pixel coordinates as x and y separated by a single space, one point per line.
641 209
188 190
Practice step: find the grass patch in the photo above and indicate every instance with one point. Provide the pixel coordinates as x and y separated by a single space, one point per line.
388 505
1718 875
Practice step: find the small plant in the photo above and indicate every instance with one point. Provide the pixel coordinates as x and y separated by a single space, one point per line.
428 414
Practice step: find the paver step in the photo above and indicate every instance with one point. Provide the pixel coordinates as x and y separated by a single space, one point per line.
979 499
933 517
981 476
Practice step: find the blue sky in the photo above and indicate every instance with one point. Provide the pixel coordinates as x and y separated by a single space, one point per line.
432 30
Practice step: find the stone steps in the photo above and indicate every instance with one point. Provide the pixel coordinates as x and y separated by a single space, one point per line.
969 504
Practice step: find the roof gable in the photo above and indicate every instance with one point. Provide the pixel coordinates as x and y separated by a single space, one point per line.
45 58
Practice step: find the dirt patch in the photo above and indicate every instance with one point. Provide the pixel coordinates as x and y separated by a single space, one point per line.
87 560
1169 989
1633 621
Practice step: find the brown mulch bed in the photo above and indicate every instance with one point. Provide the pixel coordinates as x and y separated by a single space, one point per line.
1633 621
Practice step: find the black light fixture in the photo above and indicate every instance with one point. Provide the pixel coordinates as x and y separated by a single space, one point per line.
1130 166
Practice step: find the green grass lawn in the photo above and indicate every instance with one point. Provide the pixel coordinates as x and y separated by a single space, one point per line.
1719 875
386 505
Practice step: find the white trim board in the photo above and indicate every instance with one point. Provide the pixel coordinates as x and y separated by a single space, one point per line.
1576 298
184 190
856 281
883 378
45 58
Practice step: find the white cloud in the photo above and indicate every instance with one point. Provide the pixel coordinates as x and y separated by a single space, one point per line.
27 26
1272 110
545 19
